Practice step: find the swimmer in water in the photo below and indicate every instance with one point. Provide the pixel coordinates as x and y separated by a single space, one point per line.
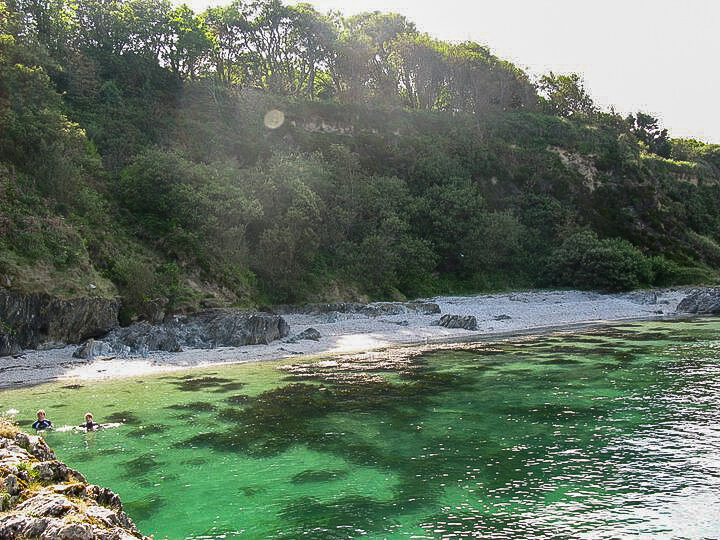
42 422
89 425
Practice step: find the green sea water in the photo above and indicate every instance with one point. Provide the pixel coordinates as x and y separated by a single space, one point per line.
610 433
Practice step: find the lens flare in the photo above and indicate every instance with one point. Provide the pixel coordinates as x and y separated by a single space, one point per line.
274 119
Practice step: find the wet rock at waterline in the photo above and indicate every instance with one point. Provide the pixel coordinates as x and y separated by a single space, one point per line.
467 322
702 302
31 321
44 498
204 330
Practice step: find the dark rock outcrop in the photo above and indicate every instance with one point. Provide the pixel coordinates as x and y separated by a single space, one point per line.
204 330
467 322
701 301
31 321
376 309
44 498
309 334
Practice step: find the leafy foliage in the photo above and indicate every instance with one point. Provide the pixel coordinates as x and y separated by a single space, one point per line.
585 261
565 95
647 130
134 161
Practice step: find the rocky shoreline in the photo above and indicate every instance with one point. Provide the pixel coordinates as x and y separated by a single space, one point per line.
225 336
41 497
33 321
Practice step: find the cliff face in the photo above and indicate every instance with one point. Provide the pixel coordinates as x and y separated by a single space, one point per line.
41 497
29 321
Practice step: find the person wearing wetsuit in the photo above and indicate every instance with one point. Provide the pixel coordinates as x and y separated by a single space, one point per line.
89 424
41 422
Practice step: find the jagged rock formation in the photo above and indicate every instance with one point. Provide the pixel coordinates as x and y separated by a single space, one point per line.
376 309
43 498
204 330
31 321
701 301
458 321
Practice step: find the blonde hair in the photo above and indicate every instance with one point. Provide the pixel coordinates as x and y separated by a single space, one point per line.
88 414
41 411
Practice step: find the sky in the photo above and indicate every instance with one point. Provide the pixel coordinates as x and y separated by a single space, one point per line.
657 56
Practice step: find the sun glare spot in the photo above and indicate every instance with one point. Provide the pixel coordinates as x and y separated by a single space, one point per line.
274 119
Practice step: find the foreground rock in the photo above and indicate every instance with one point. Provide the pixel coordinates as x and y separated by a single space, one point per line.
204 330
467 322
43 498
702 302
31 321
376 309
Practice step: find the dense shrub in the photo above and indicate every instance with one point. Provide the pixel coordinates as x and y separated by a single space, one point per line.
587 262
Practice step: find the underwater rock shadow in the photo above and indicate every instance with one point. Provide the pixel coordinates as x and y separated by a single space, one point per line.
140 466
312 476
123 417
143 509
195 384
195 406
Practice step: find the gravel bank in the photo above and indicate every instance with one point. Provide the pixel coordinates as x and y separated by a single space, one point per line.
348 332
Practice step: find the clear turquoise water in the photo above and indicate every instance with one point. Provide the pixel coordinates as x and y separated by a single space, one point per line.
608 434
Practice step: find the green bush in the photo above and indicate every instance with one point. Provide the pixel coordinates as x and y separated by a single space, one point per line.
586 262
695 275
664 272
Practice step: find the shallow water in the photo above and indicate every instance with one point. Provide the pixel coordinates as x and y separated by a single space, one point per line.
611 433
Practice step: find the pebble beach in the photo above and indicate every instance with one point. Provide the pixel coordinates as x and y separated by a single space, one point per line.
498 316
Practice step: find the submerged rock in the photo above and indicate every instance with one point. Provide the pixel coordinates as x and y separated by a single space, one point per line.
46 499
701 301
31 321
204 330
468 322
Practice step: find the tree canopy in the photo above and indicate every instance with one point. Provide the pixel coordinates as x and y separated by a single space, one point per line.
134 161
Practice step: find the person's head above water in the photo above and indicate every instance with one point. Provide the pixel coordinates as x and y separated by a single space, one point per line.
89 423
42 422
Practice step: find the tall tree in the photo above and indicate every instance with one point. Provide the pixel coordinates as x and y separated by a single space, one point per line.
271 46
479 81
188 44
361 65
565 95
231 54
422 70
646 128
104 26
44 22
